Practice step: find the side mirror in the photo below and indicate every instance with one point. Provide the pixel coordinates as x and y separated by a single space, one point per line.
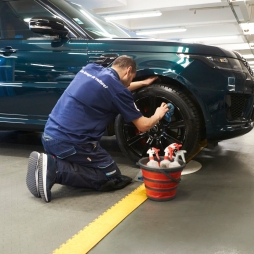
48 26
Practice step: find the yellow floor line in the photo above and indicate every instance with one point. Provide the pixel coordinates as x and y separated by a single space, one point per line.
88 237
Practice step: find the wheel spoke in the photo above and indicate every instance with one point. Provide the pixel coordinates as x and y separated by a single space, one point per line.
160 146
136 138
176 124
171 139
152 105
144 150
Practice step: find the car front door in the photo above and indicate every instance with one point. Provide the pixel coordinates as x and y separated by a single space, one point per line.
34 69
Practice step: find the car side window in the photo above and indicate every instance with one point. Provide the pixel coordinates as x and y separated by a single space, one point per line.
15 16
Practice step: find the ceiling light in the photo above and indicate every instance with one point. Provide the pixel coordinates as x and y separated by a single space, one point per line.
248 28
219 38
133 15
161 31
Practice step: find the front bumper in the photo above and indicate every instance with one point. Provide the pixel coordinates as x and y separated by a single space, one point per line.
230 131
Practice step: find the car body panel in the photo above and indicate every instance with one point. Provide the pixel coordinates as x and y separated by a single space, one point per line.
34 77
37 73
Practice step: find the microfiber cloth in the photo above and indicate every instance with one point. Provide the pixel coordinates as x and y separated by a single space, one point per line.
170 112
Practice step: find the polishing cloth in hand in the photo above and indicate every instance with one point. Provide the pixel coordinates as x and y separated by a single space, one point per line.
170 112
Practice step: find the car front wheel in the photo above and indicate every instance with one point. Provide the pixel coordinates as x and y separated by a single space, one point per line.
184 127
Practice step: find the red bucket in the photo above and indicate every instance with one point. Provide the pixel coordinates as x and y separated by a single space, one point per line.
160 183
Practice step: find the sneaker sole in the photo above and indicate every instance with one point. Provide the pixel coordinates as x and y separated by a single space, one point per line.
42 165
32 174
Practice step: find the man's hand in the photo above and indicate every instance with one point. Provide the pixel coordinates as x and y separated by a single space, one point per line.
146 123
161 111
149 81
137 84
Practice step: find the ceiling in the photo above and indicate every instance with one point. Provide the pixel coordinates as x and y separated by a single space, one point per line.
205 21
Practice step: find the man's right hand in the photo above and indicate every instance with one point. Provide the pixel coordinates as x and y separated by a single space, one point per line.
161 111
145 123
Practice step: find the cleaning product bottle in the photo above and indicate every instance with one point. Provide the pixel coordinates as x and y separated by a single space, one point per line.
175 146
173 149
165 163
178 146
180 153
174 163
156 151
152 163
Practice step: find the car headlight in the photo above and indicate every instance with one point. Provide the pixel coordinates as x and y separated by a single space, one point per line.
230 64
245 63
225 63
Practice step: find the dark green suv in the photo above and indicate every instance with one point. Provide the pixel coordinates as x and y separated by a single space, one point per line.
44 43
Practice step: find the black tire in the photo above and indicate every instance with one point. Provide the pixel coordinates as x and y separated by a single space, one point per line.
184 127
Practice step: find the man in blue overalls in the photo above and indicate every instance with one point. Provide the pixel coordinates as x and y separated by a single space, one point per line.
76 124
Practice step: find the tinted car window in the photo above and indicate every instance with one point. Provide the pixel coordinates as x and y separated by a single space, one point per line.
15 16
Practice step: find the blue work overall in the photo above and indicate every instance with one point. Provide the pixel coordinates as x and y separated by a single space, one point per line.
77 122
87 165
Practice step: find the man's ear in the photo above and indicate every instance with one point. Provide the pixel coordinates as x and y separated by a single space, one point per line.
129 70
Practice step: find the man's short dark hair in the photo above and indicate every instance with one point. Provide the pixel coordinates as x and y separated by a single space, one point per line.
125 62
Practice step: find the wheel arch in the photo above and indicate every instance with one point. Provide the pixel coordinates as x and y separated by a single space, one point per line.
180 82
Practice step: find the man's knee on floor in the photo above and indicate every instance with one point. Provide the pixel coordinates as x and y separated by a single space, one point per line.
116 180
112 171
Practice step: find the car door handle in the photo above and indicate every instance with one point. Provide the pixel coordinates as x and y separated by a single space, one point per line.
7 51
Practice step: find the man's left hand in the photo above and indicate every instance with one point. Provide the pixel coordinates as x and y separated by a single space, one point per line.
149 81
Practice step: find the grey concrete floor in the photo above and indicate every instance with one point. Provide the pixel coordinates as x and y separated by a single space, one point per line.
212 212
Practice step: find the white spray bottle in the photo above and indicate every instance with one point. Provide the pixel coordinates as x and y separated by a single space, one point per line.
173 149
165 163
175 164
152 163
180 153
